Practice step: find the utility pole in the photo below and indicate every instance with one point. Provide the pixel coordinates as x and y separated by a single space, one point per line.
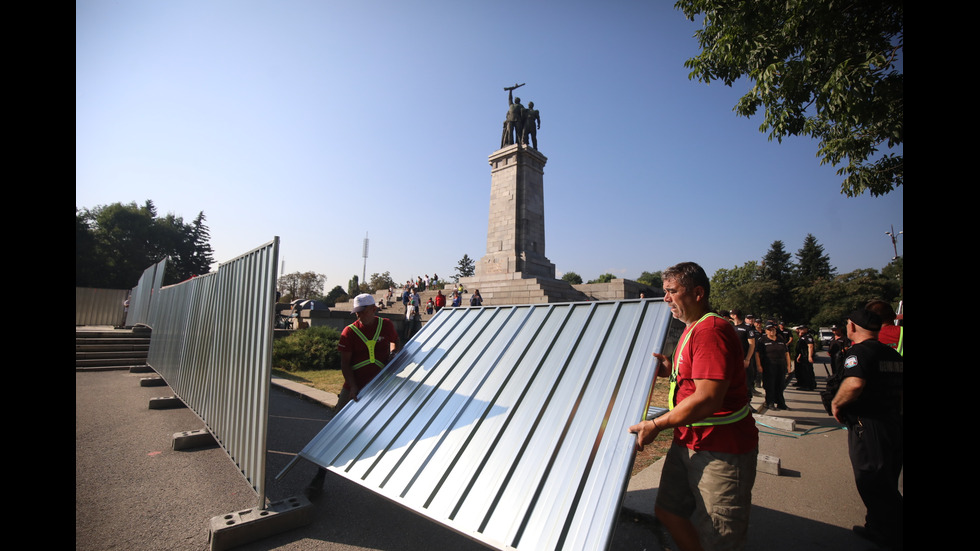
894 237
364 254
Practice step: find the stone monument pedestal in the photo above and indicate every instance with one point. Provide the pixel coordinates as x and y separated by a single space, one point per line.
515 269
515 231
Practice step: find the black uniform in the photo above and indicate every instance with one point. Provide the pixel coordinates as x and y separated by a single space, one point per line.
746 332
875 434
804 367
772 355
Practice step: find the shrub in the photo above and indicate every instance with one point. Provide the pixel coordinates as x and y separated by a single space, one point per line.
312 348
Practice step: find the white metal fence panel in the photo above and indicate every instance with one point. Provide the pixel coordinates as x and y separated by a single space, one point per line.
212 343
141 297
508 424
100 306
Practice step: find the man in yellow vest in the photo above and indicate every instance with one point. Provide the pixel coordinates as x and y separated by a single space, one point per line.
705 491
365 347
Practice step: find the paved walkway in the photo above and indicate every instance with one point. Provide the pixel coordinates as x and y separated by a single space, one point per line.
132 491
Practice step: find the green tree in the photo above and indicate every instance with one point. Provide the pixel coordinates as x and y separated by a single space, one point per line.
303 285
353 287
464 268
842 294
812 267
604 278
653 279
378 282
775 299
829 70
776 264
895 271
335 294
115 243
730 289
572 277
811 262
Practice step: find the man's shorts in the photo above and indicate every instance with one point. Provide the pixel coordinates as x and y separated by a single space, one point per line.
713 489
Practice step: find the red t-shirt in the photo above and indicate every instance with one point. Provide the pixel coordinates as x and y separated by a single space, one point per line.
349 341
890 335
713 352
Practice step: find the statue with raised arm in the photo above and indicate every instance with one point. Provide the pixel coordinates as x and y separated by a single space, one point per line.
531 117
514 123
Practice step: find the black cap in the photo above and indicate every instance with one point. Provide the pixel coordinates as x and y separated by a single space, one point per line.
866 319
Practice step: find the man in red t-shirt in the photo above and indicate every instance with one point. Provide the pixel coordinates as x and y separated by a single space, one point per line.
364 348
705 489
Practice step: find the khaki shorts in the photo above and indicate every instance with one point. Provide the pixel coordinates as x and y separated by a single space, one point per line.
713 489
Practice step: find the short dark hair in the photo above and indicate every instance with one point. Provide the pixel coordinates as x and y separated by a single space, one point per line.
690 275
883 309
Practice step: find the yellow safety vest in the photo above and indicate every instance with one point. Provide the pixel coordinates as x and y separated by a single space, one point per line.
370 343
708 421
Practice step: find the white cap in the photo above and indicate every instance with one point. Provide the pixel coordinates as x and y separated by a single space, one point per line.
362 301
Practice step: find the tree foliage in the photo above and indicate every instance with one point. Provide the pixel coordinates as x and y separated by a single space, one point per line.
335 294
811 262
572 277
812 268
653 279
378 282
302 285
353 286
115 243
466 267
604 278
827 69
839 296
806 292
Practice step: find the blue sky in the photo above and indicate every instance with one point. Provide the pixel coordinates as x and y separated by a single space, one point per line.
322 121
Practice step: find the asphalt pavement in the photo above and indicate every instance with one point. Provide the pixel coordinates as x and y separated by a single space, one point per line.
133 491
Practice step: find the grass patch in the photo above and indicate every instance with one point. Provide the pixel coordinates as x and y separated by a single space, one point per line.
327 380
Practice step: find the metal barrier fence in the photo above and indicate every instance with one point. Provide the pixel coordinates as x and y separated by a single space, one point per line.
141 296
508 424
212 343
100 306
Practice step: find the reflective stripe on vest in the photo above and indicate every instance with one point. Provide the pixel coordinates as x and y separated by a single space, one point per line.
370 345
707 421
901 336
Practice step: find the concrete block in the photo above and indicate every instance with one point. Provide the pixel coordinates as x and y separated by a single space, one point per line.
234 529
767 464
152 381
192 439
781 423
140 369
166 402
